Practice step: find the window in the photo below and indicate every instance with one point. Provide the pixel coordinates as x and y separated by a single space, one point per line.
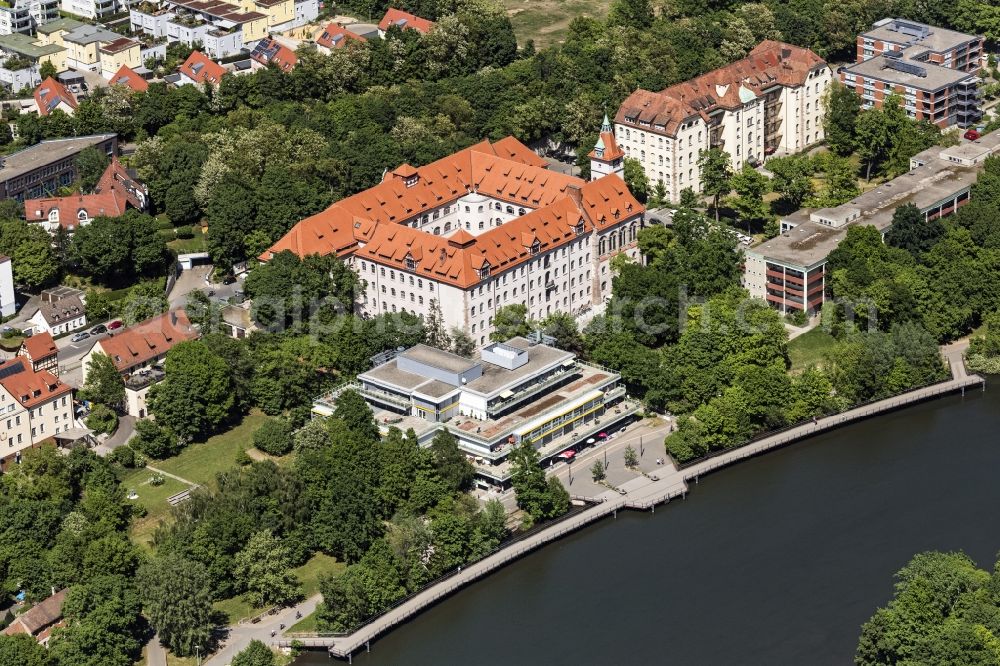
411 265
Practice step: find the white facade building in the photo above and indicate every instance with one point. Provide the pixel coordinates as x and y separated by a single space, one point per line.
8 303
769 102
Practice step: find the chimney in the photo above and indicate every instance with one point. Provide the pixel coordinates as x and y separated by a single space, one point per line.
786 53
575 193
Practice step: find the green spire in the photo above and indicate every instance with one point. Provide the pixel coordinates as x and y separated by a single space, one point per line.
606 125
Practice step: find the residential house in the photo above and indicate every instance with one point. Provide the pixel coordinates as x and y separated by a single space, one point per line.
61 315
47 166
25 15
51 95
93 9
220 28
771 101
34 407
404 21
270 52
932 70
486 227
8 302
126 76
237 322
336 37
41 351
137 350
122 52
21 57
199 69
39 620
116 191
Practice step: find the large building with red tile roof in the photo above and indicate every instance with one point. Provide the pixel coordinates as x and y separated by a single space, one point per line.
35 406
486 227
115 192
769 102
404 21
336 37
199 69
51 95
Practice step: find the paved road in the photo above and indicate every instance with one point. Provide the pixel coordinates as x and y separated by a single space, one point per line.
239 636
155 654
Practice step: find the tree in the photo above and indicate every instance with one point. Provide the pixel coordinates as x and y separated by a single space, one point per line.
792 179
23 650
842 106
872 139
90 166
120 249
289 292
47 70
511 321
631 458
196 397
155 441
203 312
355 413
462 343
912 232
750 186
635 179
104 383
263 569
255 654
716 171
144 301
177 600
631 13
102 420
540 499
274 436
597 471
436 335
689 199
451 464
30 248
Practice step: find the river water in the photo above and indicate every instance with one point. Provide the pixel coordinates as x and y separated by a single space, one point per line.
777 560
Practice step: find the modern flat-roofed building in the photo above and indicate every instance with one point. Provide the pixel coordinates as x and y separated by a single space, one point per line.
771 101
932 70
789 271
24 15
517 391
45 167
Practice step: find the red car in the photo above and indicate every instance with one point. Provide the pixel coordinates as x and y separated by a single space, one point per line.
971 135
116 324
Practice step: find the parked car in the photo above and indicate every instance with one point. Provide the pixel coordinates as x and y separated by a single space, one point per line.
114 325
80 336
97 330
28 332
972 134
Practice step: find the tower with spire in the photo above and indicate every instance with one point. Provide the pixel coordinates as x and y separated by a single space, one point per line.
606 157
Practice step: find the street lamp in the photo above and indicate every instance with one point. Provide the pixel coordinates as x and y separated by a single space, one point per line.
197 652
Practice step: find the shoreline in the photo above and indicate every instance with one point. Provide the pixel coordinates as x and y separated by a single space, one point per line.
641 494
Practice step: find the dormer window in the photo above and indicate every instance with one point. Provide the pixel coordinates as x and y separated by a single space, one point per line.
411 181
579 228
54 215
535 247
411 264
484 271
82 215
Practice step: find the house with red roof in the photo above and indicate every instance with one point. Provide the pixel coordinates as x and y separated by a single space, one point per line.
485 227
403 20
40 350
126 76
199 69
38 408
116 191
41 619
270 52
335 36
51 95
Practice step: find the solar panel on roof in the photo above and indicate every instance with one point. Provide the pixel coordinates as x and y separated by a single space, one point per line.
10 370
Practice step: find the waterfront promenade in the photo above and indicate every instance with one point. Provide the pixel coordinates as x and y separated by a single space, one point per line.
647 487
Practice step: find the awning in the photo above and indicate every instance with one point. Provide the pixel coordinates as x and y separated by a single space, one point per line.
506 395
569 363
567 454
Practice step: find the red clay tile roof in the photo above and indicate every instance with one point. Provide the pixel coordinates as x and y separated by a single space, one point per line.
28 387
126 77
611 149
270 51
38 617
39 346
115 192
337 37
147 340
404 20
200 68
371 224
769 64
50 94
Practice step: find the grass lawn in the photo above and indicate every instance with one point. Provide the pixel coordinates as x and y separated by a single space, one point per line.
809 349
306 624
547 21
200 463
308 574
154 498
184 245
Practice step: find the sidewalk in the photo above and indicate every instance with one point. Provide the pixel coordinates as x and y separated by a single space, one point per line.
240 635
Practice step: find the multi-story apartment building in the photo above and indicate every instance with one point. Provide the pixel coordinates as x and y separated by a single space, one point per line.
93 9
933 71
45 167
137 349
483 228
34 406
516 392
25 15
768 102
789 271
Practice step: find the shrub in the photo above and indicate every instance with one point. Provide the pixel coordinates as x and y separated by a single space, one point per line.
155 441
124 456
274 437
162 223
157 480
102 420
243 459
184 232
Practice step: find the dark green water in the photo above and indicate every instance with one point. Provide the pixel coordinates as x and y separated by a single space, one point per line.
777 560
